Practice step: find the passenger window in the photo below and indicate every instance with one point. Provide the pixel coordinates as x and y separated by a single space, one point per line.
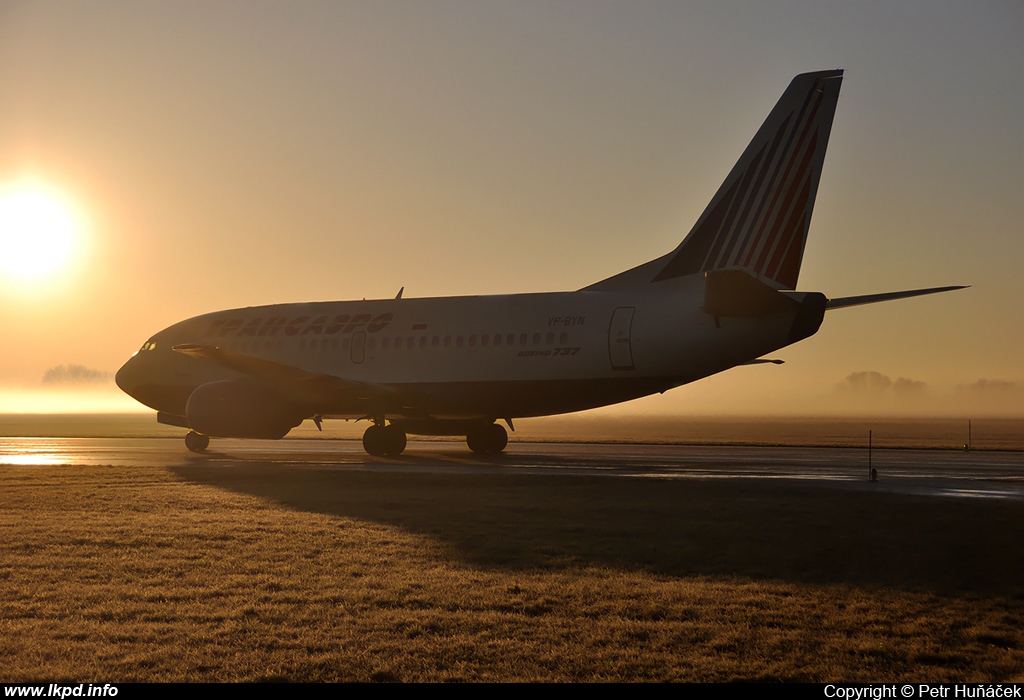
536 338
550 339
447 341
485 340
522 338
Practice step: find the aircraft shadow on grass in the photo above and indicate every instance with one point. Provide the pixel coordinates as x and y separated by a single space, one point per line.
793 532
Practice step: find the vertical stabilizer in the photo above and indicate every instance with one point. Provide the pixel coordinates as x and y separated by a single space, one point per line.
758 220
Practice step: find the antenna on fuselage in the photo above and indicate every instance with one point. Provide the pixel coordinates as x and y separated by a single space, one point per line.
399 295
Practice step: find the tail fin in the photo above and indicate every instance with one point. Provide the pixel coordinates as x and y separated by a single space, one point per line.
758 219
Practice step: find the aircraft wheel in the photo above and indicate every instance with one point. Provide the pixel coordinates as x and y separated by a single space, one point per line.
489 439
498 437
476 441
375 440
196 442
396 440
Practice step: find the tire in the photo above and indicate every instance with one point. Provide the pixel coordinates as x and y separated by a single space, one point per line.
488 439
498 438
375 441
396 440
196 442
477 441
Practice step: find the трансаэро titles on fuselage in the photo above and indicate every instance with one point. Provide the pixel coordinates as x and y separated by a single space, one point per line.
457 365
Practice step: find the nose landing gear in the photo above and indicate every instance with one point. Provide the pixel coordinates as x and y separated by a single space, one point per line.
196 442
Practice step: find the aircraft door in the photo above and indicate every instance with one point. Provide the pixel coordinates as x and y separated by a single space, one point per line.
358 341
620 349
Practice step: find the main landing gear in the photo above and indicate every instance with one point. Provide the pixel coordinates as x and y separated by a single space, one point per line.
487 439
384 440
196 442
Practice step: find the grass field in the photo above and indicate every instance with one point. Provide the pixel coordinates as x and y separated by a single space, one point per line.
253 572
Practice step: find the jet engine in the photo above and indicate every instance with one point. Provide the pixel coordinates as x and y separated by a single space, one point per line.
236 409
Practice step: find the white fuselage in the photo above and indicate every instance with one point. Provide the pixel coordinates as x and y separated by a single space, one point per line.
487 357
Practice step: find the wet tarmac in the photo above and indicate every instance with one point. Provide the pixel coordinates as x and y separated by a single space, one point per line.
947 473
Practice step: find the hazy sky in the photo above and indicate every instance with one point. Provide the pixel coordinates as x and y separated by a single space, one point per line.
240 153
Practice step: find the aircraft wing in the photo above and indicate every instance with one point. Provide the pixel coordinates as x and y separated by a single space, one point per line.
843 302
291 381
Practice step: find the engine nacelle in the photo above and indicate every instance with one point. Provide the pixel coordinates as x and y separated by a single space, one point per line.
237 409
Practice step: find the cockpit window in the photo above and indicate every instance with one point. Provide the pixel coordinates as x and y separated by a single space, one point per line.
148 345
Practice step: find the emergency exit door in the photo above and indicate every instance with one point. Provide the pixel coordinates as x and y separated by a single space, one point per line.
620 349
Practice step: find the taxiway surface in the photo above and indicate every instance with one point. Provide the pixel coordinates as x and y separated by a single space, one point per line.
921 472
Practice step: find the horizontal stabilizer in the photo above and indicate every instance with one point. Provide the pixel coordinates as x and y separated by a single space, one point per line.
844 302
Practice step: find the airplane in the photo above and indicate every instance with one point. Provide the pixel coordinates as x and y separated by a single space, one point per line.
725 296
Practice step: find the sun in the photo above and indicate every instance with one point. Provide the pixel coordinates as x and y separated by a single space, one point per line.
38 234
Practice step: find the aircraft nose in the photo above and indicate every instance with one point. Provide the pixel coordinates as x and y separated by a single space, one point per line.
127 377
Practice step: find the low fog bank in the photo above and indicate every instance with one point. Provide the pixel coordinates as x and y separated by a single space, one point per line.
747 391
76 375
874 392
67 389
65 398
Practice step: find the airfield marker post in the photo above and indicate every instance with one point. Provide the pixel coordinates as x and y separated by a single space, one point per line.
872 474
